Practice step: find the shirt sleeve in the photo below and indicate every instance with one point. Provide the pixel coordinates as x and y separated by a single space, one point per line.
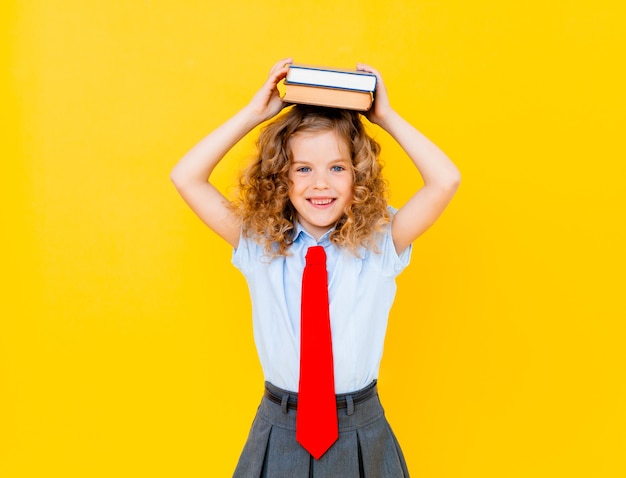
241 255
392 262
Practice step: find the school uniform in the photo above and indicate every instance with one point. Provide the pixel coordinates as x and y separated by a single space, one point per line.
361 290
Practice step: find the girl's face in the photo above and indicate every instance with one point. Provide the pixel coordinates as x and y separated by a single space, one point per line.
321 179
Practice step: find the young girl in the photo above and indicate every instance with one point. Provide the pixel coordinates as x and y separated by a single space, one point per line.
316 181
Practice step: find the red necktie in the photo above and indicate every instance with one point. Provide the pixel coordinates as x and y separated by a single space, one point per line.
316 418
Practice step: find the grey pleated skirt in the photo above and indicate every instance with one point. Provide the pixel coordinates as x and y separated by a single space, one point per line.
366 447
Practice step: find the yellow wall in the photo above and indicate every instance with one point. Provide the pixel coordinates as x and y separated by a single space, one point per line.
123 320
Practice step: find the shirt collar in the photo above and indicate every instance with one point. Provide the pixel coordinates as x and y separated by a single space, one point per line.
302 234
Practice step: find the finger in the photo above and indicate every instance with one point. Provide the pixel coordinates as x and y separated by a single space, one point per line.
367 68
278 72
281 65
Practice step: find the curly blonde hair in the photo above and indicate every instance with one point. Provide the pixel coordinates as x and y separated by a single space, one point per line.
263 204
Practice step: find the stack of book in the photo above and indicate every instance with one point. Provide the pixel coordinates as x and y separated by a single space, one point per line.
337 88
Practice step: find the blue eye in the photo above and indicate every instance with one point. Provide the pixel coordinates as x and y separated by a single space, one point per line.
304 169
337 168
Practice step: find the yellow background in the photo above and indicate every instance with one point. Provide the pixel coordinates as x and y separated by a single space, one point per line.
125 337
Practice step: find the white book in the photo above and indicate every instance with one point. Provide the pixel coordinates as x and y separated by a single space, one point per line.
331 78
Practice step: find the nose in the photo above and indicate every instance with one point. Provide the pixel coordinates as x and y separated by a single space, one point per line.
320 180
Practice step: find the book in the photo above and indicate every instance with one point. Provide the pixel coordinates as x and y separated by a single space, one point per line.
337 88
331 78
330 97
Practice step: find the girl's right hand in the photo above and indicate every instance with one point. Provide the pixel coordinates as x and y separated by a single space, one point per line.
192 174
266 103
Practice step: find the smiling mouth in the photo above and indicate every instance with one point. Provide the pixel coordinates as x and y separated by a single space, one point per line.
321 202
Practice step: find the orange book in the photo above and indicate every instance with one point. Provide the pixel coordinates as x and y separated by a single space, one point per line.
331 97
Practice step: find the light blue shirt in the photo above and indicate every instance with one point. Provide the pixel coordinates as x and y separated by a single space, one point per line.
361 291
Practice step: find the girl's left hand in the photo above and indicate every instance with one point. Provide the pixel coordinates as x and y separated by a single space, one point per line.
381 106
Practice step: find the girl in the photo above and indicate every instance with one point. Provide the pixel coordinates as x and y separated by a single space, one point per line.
316 181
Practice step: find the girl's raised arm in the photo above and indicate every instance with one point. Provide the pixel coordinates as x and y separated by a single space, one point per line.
191 175
440 175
